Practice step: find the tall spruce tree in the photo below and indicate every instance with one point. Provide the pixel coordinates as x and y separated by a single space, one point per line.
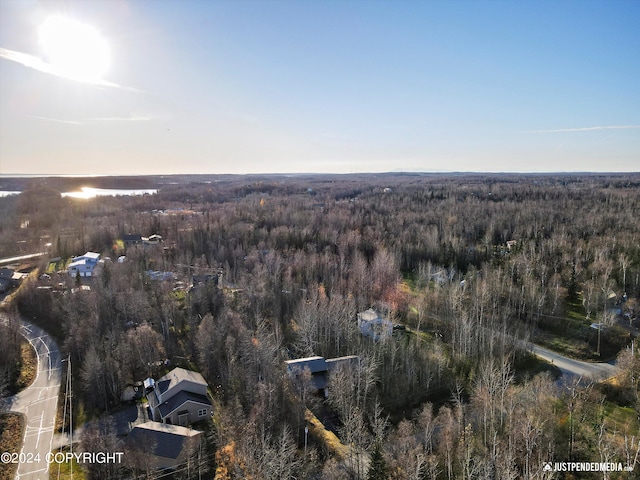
377 466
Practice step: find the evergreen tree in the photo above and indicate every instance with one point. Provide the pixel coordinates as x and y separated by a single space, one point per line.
377 466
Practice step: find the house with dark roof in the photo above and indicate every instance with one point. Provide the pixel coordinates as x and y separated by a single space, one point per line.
179 398
136 239
132 239
319 369
166 446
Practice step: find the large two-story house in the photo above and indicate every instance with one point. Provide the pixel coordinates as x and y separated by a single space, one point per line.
85 265
179 398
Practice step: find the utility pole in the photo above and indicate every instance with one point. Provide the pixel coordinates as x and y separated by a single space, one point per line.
70 413
68 399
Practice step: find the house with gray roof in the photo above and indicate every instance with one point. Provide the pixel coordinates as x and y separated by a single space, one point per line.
179 398
373 325
166 446
319 368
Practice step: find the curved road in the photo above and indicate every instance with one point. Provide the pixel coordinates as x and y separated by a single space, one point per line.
575 368
38 403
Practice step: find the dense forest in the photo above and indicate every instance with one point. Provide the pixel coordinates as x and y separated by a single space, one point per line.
469 268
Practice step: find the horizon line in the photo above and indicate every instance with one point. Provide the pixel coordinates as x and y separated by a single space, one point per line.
389 172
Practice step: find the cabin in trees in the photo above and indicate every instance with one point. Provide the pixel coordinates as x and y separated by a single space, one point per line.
318 369
373 326
165 446
151 240
137 239
85 265
158 276
179 398
132 239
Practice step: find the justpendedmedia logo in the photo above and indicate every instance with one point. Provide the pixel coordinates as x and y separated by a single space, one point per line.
586 467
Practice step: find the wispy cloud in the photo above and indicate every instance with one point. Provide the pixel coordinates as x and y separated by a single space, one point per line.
36 63
587 129
57 120
85 121
132 118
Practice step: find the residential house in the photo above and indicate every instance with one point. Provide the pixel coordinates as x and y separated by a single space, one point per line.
158 276
350 361
163 446
17 278
373 326
137 239
151 240
213 278
319 369
132 239
179 398
85 265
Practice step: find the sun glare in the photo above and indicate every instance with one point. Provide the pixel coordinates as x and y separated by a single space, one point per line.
76 50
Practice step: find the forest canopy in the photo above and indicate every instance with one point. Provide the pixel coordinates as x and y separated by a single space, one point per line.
469 269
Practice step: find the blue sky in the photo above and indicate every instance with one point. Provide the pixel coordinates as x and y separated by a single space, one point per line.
326 86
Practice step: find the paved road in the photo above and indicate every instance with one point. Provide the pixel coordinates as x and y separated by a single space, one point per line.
575 368
38 403
4 261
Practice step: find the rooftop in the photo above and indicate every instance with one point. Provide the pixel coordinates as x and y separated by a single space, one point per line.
167 441
175 376
180 399
314 364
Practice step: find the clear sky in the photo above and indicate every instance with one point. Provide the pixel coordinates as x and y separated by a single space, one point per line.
223 86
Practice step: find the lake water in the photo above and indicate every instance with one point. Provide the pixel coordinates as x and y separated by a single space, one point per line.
88 192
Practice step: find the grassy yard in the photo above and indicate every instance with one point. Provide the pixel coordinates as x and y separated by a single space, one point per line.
582 343
62 470
622 418
574 347
25 369
572 335
60 265
575 311
11 429
28 365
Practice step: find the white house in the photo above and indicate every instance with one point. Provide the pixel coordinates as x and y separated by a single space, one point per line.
84 265
373 326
